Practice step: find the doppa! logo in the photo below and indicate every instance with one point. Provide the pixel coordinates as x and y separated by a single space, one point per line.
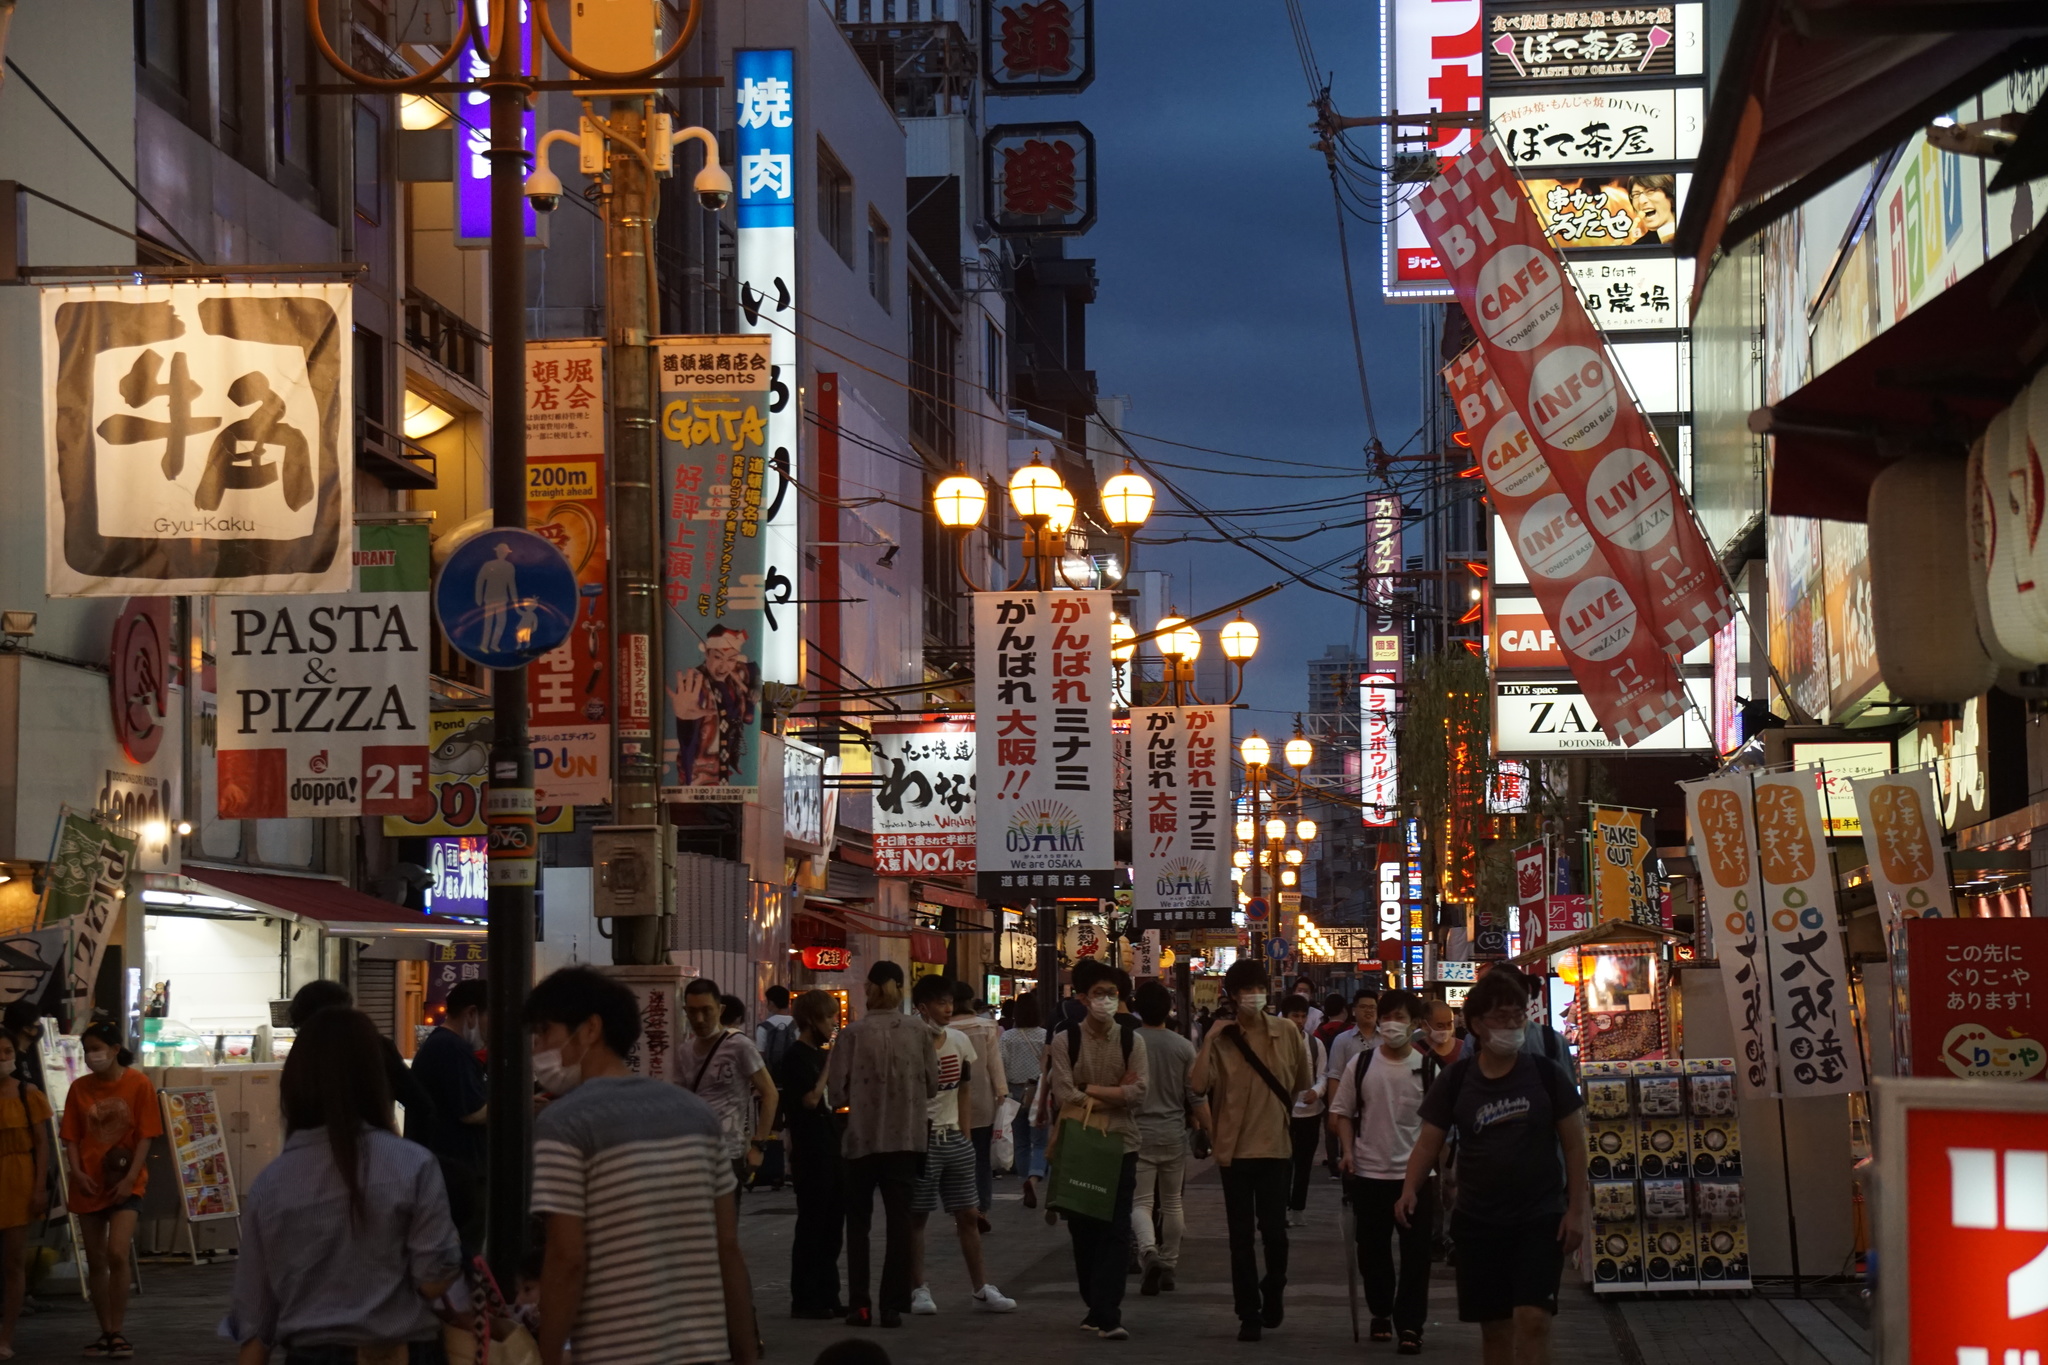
1977 1052
318 762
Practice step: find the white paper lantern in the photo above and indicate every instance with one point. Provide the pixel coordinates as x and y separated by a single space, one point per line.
1920 572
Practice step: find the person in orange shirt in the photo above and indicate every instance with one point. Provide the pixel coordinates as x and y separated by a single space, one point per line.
110 1116
24 1181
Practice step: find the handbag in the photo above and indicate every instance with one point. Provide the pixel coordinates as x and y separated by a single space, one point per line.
1087 1166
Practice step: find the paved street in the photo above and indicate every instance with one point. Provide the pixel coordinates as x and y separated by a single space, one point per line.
173 1321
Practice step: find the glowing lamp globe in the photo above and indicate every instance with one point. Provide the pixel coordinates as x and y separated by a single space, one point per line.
1121 633
1166 635
1033 490
1245 830
1299 751
1276 829
1255 751
1240 640
1305 830
1060 512
1294 855
959 501
1127 499
1287 877
1241 858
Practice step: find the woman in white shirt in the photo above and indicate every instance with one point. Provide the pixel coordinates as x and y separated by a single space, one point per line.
1307 1123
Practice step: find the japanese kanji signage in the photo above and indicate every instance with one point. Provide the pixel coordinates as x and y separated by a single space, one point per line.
1432 65
1817 1048
194 439
1973 1010
323 699
1597 127
1618 856
568 691
1610 211
714 394
1524 47
1724 840
1180 817
1632 293
1037 47
1631 684
451 964
764 120
473 144
1549 365
1379 772
1901 821
83 887
1043 764
1039 179
924 797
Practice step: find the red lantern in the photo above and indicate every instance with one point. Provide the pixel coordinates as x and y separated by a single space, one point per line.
827 959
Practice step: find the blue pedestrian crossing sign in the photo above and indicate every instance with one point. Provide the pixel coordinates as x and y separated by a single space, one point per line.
1278 949
505 598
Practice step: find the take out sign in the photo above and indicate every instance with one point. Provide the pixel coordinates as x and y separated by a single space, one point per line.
1522 638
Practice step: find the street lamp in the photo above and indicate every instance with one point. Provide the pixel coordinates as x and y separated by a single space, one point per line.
1305 830
960 500
1052 550
1126 502
1299 752
1256 754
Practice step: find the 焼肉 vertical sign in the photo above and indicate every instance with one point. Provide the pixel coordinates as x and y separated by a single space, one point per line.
1432 55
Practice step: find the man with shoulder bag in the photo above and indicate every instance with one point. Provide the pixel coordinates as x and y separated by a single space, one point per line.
1252 1066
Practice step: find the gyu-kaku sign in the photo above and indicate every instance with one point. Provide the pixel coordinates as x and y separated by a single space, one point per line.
1045 764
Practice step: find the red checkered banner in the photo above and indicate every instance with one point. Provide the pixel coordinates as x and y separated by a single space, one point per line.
1549 359
1632 685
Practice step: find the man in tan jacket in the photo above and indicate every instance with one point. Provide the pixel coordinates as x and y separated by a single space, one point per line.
1252 1065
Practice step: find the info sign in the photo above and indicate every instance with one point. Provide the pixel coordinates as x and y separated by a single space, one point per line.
924 797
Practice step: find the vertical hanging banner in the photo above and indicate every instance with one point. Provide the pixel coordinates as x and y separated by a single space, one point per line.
714 463
83 887
1724 840
568 691
1382 562
323 700
1817 1048
1180 796
1044 764
1630 682
193 439
1902 839
1432 62
924 797
1619 858
1558 374
1379 772
764 80
1532 893
473 143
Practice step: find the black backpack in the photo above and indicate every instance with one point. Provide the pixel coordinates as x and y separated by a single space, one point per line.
1128 1029
1432 1067
781 1036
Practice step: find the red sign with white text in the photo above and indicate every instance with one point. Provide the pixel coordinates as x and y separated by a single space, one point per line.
1632 685
1522 637
1558 374
1975 1009
1977 1232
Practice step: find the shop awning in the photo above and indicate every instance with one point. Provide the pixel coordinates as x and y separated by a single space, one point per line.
1608 933
1930 383
938 893
1808 90
335 907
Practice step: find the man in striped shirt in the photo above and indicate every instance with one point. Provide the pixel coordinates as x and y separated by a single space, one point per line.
643 1261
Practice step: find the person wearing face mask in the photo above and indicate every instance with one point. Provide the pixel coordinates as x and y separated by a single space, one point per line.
110 1119
1375 1111
1252 1066
1442 1036
453 1129
1537 1034
643 1262
1102 1060
1521 1174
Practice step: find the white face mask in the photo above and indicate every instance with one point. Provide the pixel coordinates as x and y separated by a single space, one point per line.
101 1062
553 1075
1395 1031
1102 1006
1251 1002
1440 1036
1503 1042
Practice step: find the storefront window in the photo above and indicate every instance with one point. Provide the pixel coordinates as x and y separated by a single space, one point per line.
284 843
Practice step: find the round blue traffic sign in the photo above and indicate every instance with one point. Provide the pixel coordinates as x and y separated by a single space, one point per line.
1256 910
506 597
1278 949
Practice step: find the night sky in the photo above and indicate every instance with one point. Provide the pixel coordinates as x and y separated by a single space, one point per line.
1221 306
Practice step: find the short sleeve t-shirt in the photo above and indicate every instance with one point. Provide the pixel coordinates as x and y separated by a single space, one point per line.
956 1053
1510 1166
1389 1095
726 1083
449 1072
641 1163
101 1115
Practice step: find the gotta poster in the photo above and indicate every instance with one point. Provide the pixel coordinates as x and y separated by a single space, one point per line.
1902 839
1043 758
924 797
195 439
568 692
1549 362
1817 1049
1724 840
1619 856
192 1123
323 699
1180 813
714 394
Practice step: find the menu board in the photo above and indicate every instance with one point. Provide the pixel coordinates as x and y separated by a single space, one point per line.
198 1149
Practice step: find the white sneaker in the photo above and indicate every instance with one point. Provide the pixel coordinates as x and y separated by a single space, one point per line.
990 1299
1296 1220
921 1302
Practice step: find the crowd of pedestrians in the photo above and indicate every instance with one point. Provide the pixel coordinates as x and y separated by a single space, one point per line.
358 1245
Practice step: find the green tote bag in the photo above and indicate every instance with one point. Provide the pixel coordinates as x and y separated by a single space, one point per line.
1087 1163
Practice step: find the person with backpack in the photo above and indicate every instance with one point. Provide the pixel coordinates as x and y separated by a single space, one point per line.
1538 1036
1521 1174
1101 1059
1251 1066
1376 1113
774 1036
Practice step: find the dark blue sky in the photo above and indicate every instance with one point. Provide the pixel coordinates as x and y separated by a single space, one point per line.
1221 308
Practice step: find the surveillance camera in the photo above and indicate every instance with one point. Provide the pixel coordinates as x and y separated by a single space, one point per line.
544 189
714 187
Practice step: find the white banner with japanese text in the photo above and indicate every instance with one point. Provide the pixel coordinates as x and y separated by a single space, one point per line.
1180 806
924 797
1902 838
196 439
1817 1048
1724 840
1044 763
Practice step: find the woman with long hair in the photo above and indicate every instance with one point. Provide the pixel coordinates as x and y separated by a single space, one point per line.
24 1180
110 1118
346 1237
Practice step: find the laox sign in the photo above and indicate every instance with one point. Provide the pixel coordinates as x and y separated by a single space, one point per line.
1390 900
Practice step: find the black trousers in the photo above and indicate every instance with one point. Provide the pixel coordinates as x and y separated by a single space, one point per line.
1307 1134
984 1174
1255 1190
820 1180
894 1174
1398 1292
1101 1249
